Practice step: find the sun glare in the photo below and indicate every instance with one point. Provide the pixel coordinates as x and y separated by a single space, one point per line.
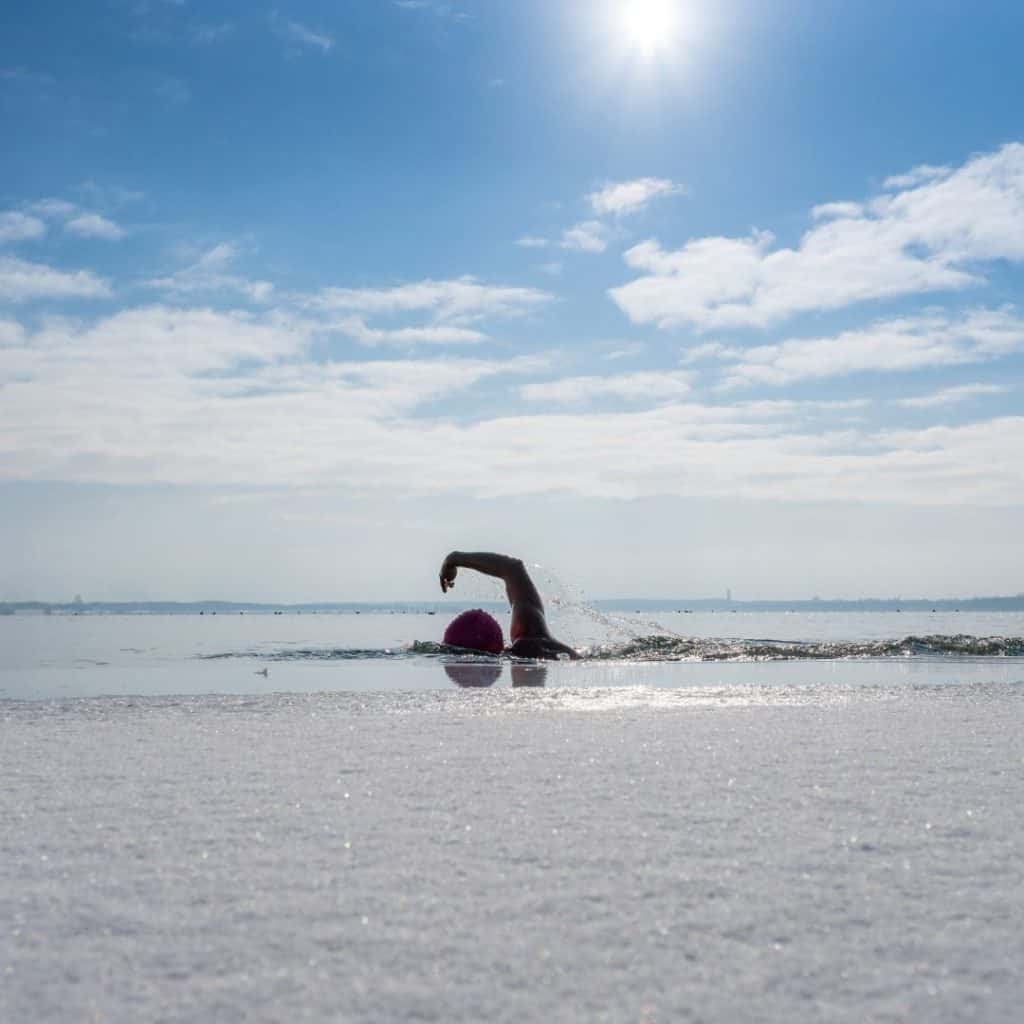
649 24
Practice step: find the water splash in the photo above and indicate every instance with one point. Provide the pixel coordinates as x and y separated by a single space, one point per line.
574 614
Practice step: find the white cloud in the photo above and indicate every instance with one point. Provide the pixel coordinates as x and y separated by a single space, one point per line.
20 227
532 242
553 269
907 343
703 353
682 450
952 396
692 450
625 197
589 236
929 237
451 308
211 273
437 7
458 300
53 208
829 210
917 176
21 281
438 334
649 386
11 333
300 35
196 397
624 350
92 225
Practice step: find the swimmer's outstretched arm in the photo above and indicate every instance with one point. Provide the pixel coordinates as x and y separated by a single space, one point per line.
527 607
517 580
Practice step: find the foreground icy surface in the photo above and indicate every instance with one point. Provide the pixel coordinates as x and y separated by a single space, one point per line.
721 854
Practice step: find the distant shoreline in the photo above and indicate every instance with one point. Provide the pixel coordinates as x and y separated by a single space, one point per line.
634 605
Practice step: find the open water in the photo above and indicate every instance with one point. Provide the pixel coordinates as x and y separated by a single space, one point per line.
45 657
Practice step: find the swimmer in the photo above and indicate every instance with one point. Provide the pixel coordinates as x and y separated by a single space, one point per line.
530 635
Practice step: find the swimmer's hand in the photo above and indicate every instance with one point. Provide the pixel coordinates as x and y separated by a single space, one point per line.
448 572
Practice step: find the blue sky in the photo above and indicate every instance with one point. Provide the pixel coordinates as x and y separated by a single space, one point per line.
668 296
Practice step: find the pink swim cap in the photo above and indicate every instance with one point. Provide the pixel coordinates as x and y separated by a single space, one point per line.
475 630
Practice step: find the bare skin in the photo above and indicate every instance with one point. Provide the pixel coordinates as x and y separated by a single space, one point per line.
530 635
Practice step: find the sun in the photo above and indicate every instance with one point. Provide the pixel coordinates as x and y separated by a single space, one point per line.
649 25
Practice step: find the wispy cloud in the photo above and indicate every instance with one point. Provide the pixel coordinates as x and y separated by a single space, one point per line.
588 236
212 273
23 281
435 7
303 37
92 225
82 222
952 396
56 209
710 350
110 195
20 227
616 199
437 334
441 312
212 33
902 344
626 197
918 176
931 236
647 386
460 300
624 350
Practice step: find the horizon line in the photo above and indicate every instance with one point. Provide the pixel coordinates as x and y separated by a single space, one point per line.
682 602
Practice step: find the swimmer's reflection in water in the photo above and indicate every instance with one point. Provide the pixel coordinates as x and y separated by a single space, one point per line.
469 675
473 675
529 675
